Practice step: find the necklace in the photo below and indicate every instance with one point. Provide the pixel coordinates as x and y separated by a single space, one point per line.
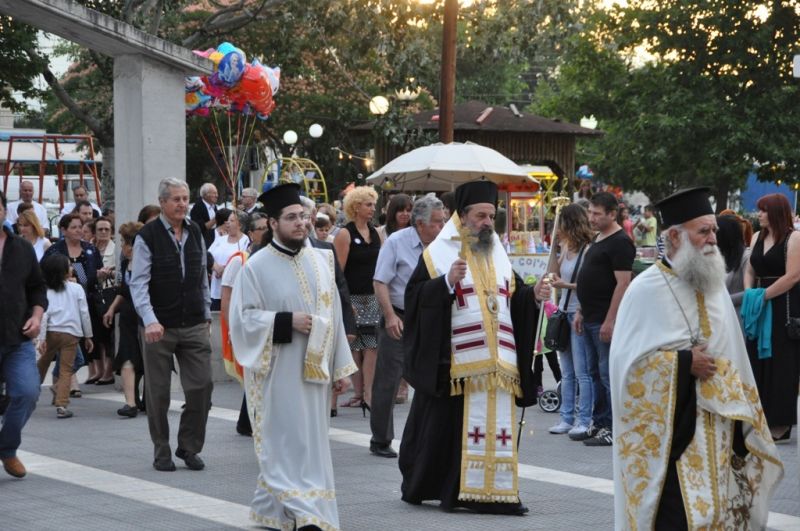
694 337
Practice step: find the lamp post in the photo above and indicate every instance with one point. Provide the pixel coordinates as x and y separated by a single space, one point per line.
448 75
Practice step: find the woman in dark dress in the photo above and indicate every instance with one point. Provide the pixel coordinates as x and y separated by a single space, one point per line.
775 265
128 361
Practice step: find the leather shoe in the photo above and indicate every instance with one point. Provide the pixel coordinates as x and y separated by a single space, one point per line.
193 461
382 451
164 465
14 467
127 411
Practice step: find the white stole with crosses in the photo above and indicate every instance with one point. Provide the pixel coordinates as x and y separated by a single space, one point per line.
483 365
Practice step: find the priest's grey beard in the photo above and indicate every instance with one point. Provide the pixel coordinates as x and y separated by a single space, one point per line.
483 245
704 272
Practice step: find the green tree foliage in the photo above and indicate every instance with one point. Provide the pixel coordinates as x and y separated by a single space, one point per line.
713 96
18 72
334 56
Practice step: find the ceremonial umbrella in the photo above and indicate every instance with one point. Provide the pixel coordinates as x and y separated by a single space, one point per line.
442 167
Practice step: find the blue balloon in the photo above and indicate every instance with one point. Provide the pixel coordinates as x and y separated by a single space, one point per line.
231 68
225 48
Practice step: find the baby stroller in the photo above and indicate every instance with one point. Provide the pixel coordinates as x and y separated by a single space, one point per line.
550 399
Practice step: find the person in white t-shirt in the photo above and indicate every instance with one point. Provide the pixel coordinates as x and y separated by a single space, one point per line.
66 321
222 249
26 196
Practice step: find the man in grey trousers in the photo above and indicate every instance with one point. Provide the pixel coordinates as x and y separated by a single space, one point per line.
397 260
169 287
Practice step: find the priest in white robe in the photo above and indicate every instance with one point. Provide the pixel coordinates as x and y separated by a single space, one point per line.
287 332
691 444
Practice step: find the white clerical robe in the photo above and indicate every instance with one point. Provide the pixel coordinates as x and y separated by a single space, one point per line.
719 489
289 407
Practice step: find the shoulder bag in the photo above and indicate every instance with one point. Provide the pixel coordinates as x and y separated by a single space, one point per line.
558 328
792 323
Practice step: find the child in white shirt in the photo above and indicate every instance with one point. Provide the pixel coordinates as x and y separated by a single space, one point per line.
63 325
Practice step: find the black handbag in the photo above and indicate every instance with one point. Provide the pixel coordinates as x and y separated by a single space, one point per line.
558 331
792 323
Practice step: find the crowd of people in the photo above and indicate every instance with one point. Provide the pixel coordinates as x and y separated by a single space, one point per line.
425 298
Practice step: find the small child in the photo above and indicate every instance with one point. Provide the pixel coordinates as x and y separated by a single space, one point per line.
63 325
322 226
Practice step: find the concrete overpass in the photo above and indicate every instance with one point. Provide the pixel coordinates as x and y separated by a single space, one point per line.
149 120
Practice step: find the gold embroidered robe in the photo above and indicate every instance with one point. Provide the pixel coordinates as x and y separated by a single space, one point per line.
720 490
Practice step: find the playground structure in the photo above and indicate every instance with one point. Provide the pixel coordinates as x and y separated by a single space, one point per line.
302 171
63 152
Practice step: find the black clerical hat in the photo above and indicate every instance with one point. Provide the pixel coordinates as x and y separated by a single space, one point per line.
475 192
279 197
684 205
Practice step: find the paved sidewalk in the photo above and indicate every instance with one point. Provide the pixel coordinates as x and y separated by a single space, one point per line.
94 471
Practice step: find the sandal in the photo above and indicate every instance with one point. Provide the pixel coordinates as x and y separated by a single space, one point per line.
353 402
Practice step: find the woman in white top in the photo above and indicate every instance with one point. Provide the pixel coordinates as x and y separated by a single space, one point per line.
574 237
102 237
31 230
63 325
222 249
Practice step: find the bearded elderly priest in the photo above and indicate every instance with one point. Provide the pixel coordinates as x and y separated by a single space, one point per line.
692 448
287 332
468 342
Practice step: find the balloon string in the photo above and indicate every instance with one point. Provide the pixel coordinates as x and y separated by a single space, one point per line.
229 155
210 151
249 137
218 137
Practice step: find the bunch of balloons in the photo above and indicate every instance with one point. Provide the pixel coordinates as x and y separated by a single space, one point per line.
235 85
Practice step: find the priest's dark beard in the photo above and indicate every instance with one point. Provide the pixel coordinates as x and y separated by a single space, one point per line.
704 272
483 245
291 244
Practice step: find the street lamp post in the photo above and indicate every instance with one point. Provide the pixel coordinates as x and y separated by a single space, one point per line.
448 79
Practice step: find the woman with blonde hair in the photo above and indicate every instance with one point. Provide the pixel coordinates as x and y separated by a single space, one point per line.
31 230
357 246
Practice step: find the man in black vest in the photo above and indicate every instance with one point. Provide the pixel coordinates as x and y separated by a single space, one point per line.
169 286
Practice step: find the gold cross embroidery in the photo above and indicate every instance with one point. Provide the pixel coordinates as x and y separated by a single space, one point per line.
326 299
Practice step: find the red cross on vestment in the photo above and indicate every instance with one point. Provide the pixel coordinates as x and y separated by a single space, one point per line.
461 294
503 437
476 435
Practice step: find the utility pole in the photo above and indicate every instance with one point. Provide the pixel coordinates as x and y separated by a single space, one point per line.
448 81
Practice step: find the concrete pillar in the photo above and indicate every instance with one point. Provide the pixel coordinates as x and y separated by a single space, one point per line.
149 131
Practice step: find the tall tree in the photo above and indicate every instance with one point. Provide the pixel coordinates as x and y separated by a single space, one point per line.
687 93
18 72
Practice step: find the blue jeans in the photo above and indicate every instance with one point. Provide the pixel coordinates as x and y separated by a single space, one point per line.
575 378
596 356
18 366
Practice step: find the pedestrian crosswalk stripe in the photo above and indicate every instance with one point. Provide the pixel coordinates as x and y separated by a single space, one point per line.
220 512
777 521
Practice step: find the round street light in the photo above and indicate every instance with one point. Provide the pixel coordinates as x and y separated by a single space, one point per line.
290 137
378 105
315 131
